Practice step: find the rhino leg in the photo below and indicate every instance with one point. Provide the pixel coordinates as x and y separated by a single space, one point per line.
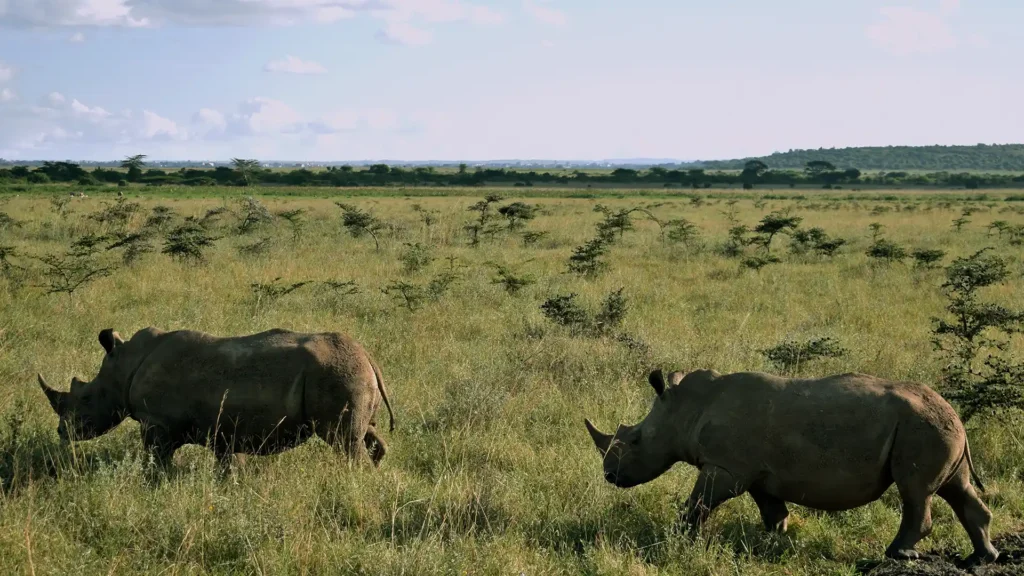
972 513
375 445
774 513
160 443
915 525
347 434
714 486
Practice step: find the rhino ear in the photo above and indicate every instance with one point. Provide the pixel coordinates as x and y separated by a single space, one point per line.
110 339
601 440
56 397
657 380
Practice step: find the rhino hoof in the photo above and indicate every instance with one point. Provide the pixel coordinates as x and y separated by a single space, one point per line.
903 554
978 559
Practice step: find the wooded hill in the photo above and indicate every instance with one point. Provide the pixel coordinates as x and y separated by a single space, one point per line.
983 157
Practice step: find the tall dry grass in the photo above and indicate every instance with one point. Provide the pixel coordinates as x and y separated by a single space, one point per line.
491 470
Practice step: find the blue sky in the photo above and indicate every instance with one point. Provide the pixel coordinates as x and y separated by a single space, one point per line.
478 79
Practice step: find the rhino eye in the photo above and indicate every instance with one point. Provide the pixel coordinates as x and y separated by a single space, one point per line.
636 438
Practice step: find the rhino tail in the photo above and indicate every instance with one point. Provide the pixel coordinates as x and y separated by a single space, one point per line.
383 393
970 465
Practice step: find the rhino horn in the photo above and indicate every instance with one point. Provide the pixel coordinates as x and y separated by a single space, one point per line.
55 397
657 380
675 378
109 339
601 440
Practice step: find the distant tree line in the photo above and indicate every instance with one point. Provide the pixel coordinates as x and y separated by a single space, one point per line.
753 174
1001 157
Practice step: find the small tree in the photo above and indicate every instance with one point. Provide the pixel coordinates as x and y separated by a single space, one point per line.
565 310
254 215
160 218
295 221
757 262
888 251
531 238
482 226
773 224
979 375
516 213
135 246
246 168
876 231
260 247
188 242
619 222
270 292
512 282
927 258
829 247
587 260
790 355
960 223
999 226
415 257
66 273
682 231
134 166
736 242
360 223
409 295
612 312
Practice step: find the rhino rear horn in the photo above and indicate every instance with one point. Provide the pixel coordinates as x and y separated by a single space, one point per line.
657 380
109 339
601 440
55 397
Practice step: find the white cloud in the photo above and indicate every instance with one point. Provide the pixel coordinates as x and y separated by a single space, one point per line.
545 14
95 114
261 116
398 15
6 72
335 122
293 65
210 121
77 37
403 33
904 31
156 127
7 95
59 13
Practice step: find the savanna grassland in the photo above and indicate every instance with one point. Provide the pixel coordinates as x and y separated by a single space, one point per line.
490 470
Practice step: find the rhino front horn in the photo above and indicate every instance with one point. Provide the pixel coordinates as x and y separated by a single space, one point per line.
601 440
55 397
657 380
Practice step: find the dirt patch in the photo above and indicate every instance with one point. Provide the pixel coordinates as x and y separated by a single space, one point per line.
1010 563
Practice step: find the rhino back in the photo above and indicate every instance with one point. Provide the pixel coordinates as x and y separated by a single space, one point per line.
810 440
249 384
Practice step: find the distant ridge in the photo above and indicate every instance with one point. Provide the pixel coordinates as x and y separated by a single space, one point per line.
985 157
980 157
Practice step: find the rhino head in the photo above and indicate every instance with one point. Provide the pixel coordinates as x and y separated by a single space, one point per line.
638 454
91 409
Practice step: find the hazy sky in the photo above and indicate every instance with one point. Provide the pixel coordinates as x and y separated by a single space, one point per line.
479 79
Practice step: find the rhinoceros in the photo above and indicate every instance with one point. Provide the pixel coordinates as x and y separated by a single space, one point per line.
257 394
832 443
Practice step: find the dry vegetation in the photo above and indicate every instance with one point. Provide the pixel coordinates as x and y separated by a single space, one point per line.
491 470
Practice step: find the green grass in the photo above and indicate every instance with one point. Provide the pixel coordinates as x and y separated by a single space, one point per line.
491 470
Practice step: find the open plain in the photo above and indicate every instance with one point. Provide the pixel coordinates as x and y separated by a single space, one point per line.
491 374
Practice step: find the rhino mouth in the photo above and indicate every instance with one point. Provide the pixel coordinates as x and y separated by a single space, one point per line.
619 481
